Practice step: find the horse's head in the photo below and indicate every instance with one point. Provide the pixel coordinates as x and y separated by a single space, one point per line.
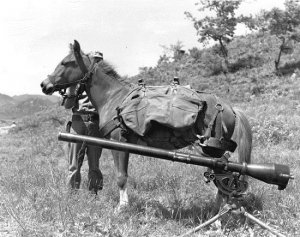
69 72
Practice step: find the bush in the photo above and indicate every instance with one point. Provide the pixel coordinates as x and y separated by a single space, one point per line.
195 54
212 64
248 61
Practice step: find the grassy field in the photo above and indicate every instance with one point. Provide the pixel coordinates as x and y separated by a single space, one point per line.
166 199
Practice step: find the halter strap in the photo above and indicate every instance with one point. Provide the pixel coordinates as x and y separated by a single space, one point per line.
87 74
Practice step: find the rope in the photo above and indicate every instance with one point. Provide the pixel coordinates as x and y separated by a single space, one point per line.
80 155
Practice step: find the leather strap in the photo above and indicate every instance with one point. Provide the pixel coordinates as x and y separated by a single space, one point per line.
110 126
85 117
68 126
219 109
222 144
87 72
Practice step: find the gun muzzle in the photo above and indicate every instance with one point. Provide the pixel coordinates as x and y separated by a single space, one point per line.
270 173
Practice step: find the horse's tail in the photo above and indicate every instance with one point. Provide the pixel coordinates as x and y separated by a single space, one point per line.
242 135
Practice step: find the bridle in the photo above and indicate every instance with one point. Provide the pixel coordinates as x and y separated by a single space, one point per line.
81 83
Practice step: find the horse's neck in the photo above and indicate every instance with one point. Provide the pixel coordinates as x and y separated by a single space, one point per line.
106 93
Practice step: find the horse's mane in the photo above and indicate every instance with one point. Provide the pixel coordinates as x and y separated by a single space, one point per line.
109 70
106 67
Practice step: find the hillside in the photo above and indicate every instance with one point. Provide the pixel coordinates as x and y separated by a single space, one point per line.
12 108
251 71
5 99
52 98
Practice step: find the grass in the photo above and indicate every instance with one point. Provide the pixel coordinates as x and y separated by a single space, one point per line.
167 199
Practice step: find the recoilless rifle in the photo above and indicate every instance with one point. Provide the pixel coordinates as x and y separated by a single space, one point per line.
224 173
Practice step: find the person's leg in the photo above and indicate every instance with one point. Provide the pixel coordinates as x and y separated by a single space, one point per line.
76 153
74 176
95 177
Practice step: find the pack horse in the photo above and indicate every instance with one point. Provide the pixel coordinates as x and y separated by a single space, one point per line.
162 117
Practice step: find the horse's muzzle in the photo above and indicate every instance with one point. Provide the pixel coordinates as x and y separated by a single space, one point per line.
47 87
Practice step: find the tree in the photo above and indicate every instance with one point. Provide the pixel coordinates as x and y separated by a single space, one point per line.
283 24
221 26
174 50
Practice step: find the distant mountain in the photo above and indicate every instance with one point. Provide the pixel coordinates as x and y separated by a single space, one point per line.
15 107
5 99
52 98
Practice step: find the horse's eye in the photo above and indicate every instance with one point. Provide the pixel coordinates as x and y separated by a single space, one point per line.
63 63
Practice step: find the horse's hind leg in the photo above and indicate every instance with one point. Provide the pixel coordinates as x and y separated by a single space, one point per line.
242 135
121 166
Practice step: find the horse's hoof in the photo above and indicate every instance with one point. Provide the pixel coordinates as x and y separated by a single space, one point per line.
73 191
120 208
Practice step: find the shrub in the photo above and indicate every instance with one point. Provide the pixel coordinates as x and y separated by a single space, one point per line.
195 54
247 61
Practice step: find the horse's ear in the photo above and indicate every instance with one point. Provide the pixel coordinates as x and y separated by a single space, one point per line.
76 46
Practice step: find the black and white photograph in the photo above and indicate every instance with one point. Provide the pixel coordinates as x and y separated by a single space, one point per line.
147 118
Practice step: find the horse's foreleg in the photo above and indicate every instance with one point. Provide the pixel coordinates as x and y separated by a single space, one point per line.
121 165
95 177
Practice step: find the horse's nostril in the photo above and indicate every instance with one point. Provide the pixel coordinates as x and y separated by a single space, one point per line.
49 89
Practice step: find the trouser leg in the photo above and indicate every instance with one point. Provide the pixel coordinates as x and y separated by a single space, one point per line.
76 153
74 176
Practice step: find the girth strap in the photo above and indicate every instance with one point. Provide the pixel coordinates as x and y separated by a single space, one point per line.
110 126
222 144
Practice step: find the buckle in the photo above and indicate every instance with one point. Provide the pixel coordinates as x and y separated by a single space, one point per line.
201 141
219 107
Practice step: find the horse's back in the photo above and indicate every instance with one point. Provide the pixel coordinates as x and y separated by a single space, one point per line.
171 117
174 107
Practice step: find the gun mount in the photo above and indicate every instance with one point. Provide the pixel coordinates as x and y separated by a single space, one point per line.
271 173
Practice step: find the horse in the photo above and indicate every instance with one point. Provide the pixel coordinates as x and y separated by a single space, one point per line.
106 90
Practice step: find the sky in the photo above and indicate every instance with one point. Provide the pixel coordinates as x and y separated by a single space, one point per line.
36 34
